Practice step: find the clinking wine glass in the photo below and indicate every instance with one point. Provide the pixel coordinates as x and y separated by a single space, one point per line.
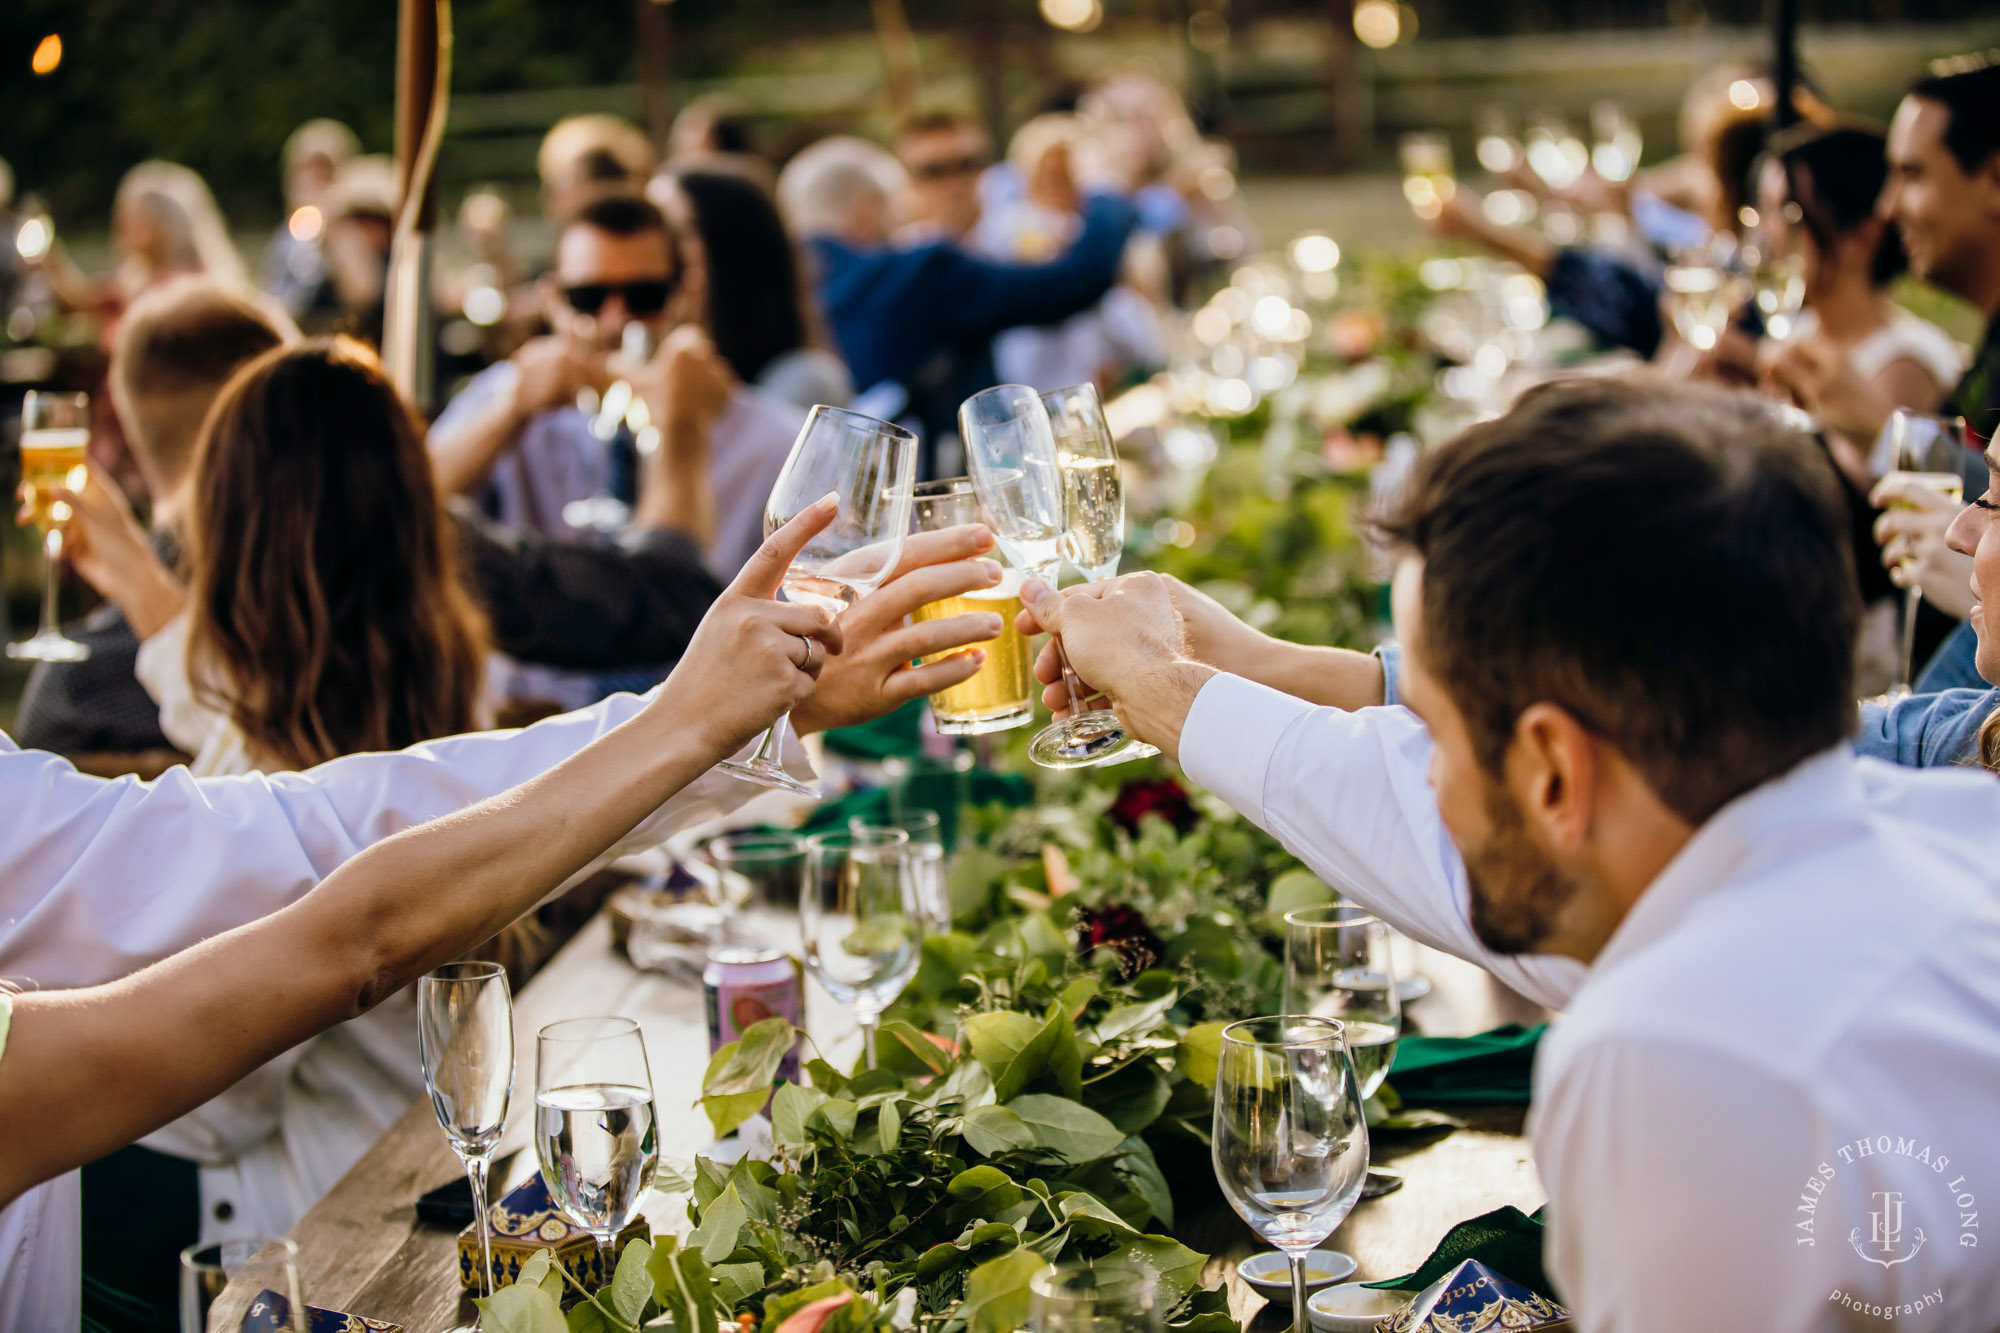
1001 694
1289 1141
1930 452
1339 964
869 466
1010 448
55 439
465 1029
594 1125
860 921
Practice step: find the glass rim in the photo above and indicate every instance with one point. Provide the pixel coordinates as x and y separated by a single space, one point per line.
464 971
192 1260
589 1027
74 397
896 823
746 844
1085 388
846 839
860 419
1047 1282
1336 1031
1361 916
941 486
998 393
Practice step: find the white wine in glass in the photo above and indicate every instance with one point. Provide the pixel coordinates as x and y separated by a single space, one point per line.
869 466
55 440
594 1125
1930 451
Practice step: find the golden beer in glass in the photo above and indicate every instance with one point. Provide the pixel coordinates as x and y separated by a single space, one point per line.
1002 693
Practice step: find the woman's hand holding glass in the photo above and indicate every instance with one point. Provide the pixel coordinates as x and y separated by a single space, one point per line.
1911 531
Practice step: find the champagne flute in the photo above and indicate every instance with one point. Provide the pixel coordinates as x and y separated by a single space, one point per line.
869 465
1338 964
1094 499
860 921
1289 1141
1011 451
1931 452
465 1029
55 437
270 1267
1110 1296
927 870
594 1125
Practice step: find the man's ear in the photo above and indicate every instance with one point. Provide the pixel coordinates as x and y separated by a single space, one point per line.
1554 770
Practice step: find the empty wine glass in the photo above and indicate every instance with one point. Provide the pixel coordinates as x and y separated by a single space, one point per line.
465 1029
55 439
594 1125
1930 451
267 1268
870 466
756 868
1289 1141
1110 1296
860 921
926 864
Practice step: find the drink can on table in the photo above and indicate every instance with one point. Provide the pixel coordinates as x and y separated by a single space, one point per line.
743 985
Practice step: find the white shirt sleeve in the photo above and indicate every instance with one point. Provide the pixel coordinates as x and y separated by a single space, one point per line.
100 878
161 667
1349 794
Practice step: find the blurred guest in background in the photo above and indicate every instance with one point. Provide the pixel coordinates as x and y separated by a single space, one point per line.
916 322
294 266
585 156
710 126
745 272
1124 331
944 154
360 226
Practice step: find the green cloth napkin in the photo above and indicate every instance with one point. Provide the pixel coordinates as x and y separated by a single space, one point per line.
1506 1240
897 732
1490 1069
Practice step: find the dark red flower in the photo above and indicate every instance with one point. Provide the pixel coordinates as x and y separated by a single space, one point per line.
1153 796
1123 931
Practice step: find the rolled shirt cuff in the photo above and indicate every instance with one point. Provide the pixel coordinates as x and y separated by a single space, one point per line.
1390 655
1231 733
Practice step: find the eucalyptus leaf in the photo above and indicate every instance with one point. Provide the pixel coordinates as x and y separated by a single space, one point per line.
1133 1097
1134 1020
982 1192
734 1283
1012 1047
836 1115
709 1179
993 1130
631 1285
909 1051
1066 1127
888 1126
721 1225
789 1109
1199 1055
683 1284
780 1308
522 1307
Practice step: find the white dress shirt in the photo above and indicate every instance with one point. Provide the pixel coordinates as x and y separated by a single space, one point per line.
1782 1068
99 878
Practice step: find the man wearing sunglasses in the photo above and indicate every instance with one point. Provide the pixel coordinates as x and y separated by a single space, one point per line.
945 154
516 440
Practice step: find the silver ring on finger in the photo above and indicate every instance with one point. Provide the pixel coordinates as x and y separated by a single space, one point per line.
811 648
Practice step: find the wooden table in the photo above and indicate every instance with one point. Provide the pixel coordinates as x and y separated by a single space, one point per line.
362 1250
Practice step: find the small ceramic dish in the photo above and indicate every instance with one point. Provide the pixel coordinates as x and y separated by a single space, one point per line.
1352 1308
1271 1273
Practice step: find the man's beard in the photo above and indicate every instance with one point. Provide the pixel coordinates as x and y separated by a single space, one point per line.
1517 892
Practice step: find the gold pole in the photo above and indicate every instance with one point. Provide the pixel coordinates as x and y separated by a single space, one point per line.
423 84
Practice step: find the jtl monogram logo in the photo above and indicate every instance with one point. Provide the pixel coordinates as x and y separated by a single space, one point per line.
1885 1232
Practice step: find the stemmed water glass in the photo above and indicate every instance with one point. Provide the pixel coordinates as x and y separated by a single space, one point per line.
55 441
594 1125
1109 1296
870 466
1289 1142
269 1268
465 1029
1929 452
860 921
1025 494
1338 964
927 869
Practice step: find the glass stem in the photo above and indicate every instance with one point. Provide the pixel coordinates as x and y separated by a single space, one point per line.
1300 1324
607 1257
868 1025
1913 597
475 1174
1069 679
767 749
52 544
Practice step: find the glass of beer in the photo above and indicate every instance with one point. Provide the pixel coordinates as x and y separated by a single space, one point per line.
1002 693
55 436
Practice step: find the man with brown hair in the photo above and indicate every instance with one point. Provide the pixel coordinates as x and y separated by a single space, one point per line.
946 153
557 603
1621 781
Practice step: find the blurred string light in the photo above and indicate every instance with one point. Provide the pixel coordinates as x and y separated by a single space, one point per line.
1616 154
1315 253
305 224
1073 15
48 54
34 238
1378 23
1508 208
1743 95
